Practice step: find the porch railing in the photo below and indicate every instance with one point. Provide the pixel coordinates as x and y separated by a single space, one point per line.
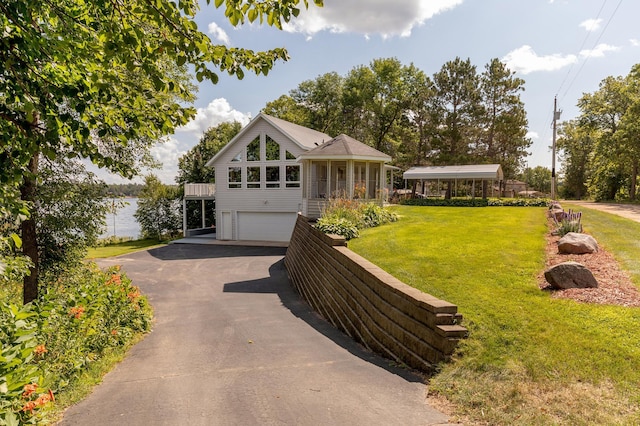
199 190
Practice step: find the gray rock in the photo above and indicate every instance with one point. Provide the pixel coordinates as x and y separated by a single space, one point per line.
575 243
570 275
556 213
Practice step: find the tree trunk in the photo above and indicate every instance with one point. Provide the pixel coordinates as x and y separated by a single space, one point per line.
634 177
29 240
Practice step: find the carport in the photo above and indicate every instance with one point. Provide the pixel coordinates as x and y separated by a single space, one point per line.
448 181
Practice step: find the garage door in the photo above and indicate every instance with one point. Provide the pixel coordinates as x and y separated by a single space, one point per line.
265 226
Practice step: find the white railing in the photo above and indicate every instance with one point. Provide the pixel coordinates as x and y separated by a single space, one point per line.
199 190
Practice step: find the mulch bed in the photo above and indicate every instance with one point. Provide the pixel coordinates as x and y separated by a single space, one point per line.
614 284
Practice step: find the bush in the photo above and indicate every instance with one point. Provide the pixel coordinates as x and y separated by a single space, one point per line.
338 226
46 344
345 217
569 222
442 202
518 202
477 202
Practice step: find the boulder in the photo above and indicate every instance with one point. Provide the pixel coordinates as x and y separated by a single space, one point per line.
576 243
570 275
557 214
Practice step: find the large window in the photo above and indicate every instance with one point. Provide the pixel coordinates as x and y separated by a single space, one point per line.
338 178
272 173
293 176
235 177
318 179
253 177
272 149
253 150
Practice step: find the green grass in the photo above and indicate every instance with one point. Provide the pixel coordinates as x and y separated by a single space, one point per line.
123 248
617 235
530 358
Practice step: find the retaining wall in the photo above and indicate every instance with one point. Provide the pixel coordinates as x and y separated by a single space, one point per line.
370 305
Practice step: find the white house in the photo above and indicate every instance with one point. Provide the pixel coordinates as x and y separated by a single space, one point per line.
273 170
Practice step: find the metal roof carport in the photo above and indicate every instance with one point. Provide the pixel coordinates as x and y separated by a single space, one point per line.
451 174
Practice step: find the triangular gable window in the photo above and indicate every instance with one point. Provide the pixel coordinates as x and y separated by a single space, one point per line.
290 156
253 150
272 149
237 158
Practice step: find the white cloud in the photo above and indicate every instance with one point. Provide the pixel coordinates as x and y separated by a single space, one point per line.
218 111
369 16
634 42
525 60
219 34
598 51
167 152
532 135
591 24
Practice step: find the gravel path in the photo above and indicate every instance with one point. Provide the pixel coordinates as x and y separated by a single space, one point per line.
629 211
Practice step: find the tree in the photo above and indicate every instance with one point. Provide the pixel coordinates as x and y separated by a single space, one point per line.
502 139
537 179
286 108
69 214
158 211
458 112
191 166
322 98
375 100
575 146
104 81
602 114
421 123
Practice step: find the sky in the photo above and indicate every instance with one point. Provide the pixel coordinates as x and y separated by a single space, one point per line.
560 48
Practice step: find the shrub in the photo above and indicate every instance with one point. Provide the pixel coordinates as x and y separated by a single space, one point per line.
338 226
476 202
342 216
46 344
374 215
569 222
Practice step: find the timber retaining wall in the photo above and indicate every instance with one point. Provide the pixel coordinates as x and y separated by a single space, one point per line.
374 308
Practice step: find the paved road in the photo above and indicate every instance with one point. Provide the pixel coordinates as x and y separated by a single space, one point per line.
628 211
234 345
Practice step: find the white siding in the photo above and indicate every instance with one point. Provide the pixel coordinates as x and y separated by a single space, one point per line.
265 226
240 201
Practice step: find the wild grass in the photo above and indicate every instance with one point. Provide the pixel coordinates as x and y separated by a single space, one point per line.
121 248
530 358
618 235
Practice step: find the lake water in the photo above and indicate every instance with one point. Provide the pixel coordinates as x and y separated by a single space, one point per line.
123 224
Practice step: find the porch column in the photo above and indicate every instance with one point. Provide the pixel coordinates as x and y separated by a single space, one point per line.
350 179
184 217
382 186
204 215
328 195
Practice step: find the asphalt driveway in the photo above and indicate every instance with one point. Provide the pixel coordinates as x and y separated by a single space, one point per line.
233 344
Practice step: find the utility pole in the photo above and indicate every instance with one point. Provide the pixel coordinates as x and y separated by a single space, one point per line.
556 116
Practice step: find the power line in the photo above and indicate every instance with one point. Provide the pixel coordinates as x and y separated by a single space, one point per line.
594 45
584 41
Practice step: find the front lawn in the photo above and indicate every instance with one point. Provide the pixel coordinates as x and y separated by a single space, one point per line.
530 358
125 247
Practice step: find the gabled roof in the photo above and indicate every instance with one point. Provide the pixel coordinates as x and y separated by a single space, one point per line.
344 147
302 136
472 171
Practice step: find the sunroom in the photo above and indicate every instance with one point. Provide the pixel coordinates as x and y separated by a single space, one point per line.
342 168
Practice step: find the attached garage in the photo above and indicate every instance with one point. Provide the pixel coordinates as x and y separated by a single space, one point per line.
265 226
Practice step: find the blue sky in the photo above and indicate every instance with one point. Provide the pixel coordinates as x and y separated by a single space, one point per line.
559 47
